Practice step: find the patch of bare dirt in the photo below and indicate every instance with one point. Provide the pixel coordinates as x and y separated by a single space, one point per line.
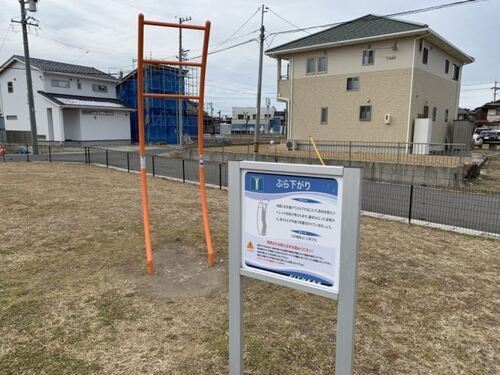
182 272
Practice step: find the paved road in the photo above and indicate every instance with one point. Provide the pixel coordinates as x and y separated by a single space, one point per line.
457 208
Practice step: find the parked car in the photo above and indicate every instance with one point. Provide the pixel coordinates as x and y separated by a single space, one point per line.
490 136
478 131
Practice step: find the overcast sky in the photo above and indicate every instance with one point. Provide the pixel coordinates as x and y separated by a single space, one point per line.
103 33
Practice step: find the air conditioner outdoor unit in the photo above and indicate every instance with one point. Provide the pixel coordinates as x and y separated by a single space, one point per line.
387 119
291 145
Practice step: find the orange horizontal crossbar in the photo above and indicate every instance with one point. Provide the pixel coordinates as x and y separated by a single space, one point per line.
171 24
170 96
168 62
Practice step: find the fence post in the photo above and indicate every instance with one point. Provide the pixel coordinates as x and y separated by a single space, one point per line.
50 155
153 165
128 162
183 171
220 176
27 153
86 155
107 159
350 152
411 204
399 150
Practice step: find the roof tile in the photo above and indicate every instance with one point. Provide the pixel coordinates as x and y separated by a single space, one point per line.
367 26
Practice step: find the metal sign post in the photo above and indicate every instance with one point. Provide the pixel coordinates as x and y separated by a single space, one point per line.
295 226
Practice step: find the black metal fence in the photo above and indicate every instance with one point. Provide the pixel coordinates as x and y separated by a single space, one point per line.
462 208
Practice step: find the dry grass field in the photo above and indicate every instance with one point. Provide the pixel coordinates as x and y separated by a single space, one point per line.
74 297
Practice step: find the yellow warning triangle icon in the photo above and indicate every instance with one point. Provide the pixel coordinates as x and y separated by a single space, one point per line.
249 245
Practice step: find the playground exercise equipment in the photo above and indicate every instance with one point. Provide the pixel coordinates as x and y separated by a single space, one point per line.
199 96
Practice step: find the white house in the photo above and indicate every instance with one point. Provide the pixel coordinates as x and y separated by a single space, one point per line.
244 118
72 103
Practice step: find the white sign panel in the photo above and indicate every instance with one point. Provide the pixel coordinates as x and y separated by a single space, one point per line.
291 226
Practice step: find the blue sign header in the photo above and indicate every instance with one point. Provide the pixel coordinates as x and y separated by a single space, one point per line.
278 184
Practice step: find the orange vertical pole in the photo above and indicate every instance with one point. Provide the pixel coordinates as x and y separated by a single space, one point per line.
142 148
201 168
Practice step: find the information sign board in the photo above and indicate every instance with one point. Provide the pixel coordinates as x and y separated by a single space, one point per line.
291 226
297 226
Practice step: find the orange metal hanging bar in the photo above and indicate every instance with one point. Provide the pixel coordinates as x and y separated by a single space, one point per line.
169 62
201 168
200 98
142 148
175 25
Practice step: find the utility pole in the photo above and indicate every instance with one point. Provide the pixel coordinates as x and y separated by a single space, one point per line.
259 84
247 118
495 89
211 106
25 21
268 103
180 119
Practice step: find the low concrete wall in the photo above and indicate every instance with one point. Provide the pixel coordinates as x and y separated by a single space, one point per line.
444 176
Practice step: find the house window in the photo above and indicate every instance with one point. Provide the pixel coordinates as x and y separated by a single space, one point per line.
324 115
322 64
11 117
352 83
100 88
446 66
59 83
425 56
10 87
368 57
365 112
446 115
106 113
78 85
426 112
241 117
311 65
434 113
456 72
90 112
254 116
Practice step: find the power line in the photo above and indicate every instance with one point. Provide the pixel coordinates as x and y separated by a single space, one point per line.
404 13
477 83
287 21
5 37
225 49
49 36
237 30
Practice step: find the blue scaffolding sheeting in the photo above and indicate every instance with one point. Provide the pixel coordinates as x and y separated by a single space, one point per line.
160 115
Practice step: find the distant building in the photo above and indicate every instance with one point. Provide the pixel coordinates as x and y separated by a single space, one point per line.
488 114
463 113
72 103
369 79
244 119
161 116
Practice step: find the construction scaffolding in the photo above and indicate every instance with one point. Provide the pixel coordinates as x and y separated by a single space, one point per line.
161 120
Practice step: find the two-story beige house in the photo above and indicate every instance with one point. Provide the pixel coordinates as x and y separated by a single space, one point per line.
368 80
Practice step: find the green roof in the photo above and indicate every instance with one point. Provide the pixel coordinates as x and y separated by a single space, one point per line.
364 27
